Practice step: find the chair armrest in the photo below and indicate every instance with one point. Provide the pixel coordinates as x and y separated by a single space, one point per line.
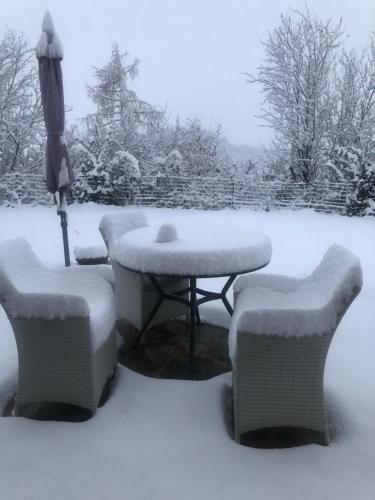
46 306
275 282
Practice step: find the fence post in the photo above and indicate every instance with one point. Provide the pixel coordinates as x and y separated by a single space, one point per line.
232 192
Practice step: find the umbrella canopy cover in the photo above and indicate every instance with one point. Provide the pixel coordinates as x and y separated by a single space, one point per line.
49 52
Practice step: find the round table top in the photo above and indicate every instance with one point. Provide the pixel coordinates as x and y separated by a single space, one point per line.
201 251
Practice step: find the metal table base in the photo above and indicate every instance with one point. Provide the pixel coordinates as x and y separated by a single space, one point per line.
192 303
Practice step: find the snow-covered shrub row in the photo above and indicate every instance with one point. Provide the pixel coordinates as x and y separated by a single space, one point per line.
206 193
217 193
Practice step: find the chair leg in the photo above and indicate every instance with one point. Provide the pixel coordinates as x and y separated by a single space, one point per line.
323 439
16 412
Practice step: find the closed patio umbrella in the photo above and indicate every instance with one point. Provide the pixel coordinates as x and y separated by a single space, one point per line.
49 52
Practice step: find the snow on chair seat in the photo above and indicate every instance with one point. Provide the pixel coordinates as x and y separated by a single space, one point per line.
92 255
279 338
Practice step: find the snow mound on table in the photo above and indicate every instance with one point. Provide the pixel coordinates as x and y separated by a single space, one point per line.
97 252
166 233
30 290
311 306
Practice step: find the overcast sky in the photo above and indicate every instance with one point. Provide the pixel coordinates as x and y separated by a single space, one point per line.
192 52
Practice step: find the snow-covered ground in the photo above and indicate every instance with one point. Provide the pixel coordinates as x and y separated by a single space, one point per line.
163 439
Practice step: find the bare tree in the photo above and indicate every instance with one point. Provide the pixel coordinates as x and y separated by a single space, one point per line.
201 148
295 78
354 124
21 118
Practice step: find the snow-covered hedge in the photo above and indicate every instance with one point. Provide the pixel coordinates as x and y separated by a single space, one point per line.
17 188
206 193
216 193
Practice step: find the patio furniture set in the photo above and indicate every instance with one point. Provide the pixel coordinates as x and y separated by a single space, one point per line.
64 320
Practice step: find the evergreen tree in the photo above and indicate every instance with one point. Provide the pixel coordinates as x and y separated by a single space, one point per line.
90 161
135 124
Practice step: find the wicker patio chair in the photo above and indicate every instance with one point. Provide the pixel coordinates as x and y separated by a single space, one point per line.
279 338
135 294
63 321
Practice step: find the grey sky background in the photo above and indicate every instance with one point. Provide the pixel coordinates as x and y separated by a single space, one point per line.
192 53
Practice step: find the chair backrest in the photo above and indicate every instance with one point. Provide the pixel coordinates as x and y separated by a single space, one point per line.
338 277
29 289
112 227
19 267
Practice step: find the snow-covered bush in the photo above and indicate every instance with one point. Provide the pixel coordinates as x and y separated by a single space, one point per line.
362 200
173 163
123 167
349 164
92 180
103 174
123 173
343 163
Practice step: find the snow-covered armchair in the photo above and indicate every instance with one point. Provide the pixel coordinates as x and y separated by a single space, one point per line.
135 294
63 321
279 338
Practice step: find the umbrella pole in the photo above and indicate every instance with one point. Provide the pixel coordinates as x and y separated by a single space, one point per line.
64 229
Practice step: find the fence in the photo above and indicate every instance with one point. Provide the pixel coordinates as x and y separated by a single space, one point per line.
194 192
216 193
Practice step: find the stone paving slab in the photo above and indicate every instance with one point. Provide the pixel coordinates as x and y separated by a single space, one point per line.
164 351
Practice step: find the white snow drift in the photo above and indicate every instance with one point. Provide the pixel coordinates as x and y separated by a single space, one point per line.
168 439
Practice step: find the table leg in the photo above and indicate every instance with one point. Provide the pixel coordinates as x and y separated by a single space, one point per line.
193 305
224 291
193 309
197 315
153 311
209 296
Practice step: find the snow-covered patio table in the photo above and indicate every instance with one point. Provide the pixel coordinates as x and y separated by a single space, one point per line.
193 252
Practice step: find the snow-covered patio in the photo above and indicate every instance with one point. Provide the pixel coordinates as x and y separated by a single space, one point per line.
164 439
